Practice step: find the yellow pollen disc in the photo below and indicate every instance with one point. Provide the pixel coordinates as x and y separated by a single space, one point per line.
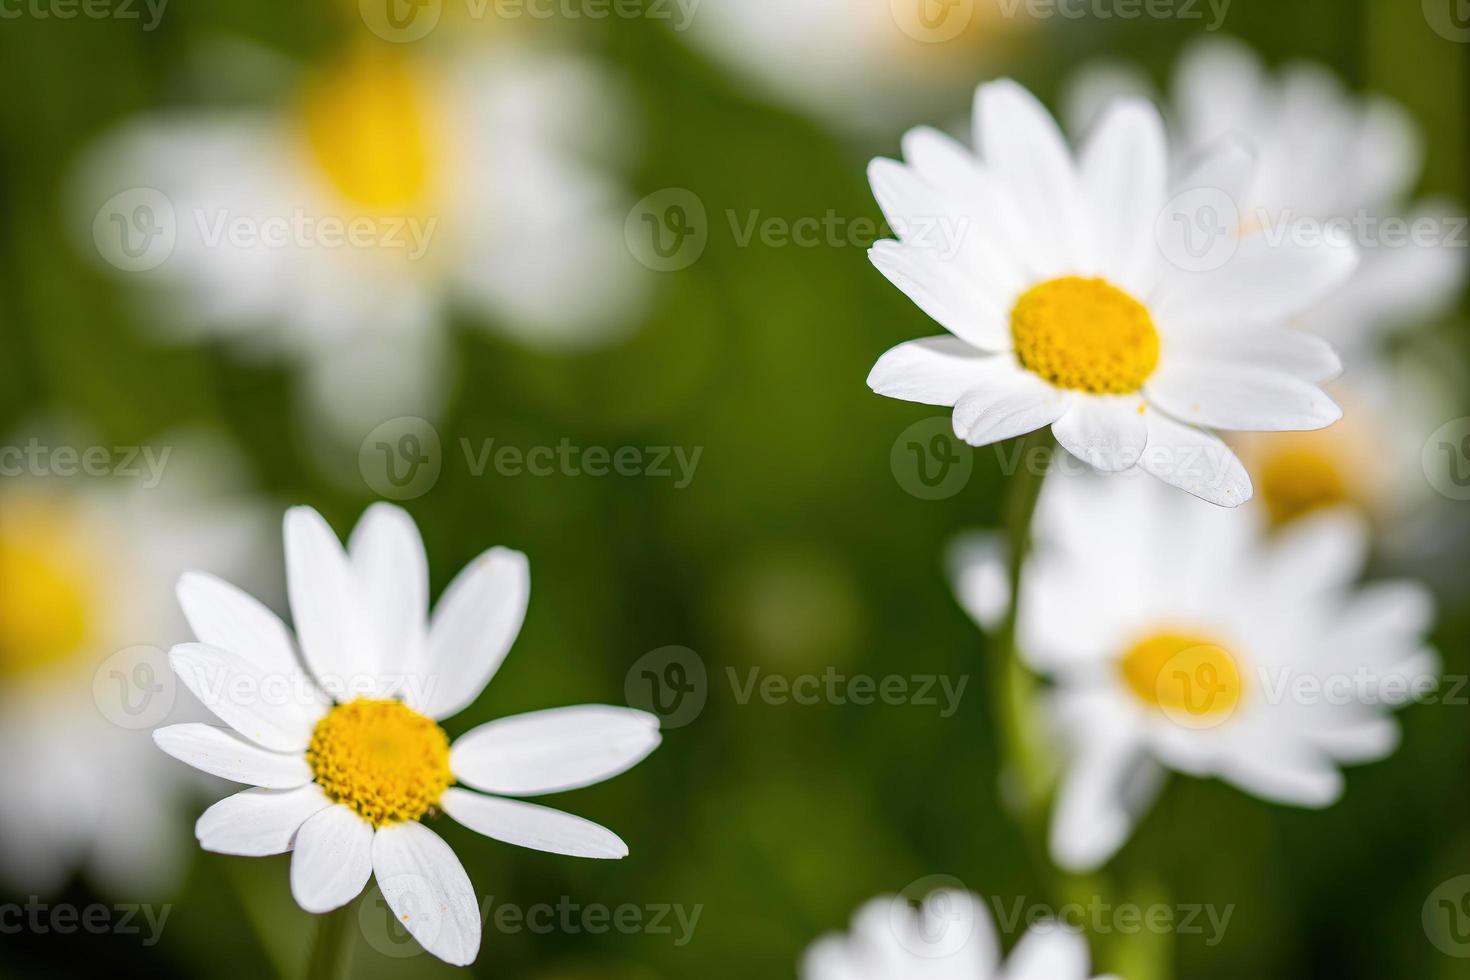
46 591
1299 480
1085 334
367 125
382 758
1189 678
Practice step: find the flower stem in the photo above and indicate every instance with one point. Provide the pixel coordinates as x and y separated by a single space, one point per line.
330 948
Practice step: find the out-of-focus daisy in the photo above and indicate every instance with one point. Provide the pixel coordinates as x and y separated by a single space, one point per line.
860 64
342 227
1328 159
949 936
83 624
1181 637
1064 285
342 743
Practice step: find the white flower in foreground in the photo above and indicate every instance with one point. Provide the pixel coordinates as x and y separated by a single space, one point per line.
343 743
86 568
1182 637
1065 286
342 228
950 936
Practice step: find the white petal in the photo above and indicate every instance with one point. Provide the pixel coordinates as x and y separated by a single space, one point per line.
277 711
1010 401
1284 773
1295 352
223 616
324 604
528 825
472 630
946 288
1223 396
932 371
555 750
1049 952
220 752
332 859
1195 461
979 572
1124 176
1108 433
392 576
1105 790
1263 283
427 889
1226 165
1316 555
258 822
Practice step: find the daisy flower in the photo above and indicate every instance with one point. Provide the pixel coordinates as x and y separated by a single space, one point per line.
1180 637
857 64
84 561
337 727
1069 305
949 936
341 227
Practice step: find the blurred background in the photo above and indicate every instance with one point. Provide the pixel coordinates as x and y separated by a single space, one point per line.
595 232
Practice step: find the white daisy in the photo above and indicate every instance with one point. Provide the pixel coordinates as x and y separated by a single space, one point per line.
859 64
1069 305
470 180
949 936
342 743
1182 637
86 564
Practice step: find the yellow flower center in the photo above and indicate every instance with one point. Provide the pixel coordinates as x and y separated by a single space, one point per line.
46 593
1085 334
382 758
1191 679
1299 480
368 126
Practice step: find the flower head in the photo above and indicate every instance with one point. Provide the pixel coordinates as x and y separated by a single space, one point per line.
337 728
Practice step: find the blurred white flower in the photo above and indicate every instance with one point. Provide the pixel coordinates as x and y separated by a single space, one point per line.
343 743
1182 637
949 936
859 64
86 567
343 227
1073 302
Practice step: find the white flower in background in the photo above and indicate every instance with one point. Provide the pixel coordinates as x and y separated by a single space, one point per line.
343 742
1183 637
86 566
860 64
1064 286
1324 154
949 936
343 227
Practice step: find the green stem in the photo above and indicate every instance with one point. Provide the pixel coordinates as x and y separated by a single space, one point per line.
330 949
